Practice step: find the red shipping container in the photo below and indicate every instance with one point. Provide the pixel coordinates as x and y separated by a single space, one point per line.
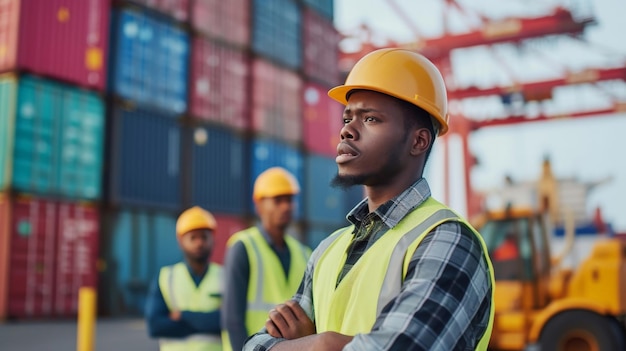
219 84
5 214
63 39
321 48
322 120
178 9
224 20
76 254
42 264
227 225
276 101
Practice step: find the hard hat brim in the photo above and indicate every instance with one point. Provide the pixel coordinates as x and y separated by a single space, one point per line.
340 94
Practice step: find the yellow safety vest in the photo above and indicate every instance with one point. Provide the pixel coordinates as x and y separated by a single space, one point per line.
181 294
352 306
267 285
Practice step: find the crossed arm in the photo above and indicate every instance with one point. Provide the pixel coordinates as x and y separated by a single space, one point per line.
290 322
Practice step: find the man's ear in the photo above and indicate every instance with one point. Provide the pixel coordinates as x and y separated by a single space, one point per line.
421 140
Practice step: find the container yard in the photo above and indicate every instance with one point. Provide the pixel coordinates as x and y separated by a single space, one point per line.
118 115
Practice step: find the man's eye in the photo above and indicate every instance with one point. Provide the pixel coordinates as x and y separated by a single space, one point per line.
370 119
346 120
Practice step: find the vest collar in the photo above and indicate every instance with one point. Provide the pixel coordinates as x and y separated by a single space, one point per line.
394 210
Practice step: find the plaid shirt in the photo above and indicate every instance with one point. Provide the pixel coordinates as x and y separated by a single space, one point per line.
445 298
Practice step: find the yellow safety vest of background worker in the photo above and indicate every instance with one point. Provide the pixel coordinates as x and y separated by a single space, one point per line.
409 274
183 307
263 264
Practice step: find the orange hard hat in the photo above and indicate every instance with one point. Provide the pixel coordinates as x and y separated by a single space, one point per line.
275 181
403 74
195 218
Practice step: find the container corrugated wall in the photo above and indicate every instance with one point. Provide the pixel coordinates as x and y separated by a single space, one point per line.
63 39
322 120
277 31
144 159
219 84
268 153
8 101
149 61
323 203
178 9
136 244
316 232
58 134
276 101
53 252
324 7
6 216
219 172
227 21
321 48
227 225
352 197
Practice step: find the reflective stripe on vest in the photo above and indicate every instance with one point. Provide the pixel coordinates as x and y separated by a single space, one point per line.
347 308
268 285
180 293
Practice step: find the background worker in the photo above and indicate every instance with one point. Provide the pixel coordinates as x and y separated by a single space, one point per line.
183 304
409 273
263 265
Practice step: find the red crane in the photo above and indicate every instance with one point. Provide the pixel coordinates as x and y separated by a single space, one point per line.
490 32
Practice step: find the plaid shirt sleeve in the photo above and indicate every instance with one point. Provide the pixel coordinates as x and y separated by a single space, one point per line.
444 302
445 299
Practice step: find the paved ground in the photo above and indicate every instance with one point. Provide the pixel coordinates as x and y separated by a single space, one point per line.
111 334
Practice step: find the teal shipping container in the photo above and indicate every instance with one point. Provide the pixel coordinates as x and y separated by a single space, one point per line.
52 138
135 244
322 202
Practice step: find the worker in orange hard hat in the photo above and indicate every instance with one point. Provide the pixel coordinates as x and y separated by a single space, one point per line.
183 306
408 273
263 264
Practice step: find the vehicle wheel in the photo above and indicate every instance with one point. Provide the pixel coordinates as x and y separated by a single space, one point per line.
581 331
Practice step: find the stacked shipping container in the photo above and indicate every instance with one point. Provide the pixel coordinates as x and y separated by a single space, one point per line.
52 125
202 96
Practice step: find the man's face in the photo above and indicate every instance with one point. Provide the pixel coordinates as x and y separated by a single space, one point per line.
197 245
276 212
374 144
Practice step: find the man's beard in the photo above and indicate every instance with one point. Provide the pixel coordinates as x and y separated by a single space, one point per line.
381 176
200 258
346 181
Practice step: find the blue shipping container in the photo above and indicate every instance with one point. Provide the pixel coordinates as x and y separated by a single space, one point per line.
268 153
353 196
219 174
144 159
149 61
316 232
323 203
277 32
324 7
52 137
136 244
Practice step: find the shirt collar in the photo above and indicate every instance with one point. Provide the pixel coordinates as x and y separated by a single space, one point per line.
394 210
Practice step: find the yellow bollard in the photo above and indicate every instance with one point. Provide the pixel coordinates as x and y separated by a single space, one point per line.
86 319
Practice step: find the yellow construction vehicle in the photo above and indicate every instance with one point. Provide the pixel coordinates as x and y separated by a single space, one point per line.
541 305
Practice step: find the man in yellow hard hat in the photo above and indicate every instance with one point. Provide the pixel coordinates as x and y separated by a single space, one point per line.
183 306
409 273
263 264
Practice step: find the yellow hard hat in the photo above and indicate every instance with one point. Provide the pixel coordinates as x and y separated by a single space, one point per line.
274 182
403 74
195 218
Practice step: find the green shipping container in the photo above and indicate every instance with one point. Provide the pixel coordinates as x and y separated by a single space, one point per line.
51 138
